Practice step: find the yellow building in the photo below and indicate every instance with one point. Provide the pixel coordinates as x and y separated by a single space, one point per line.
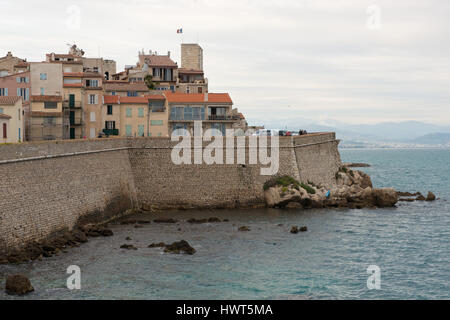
135 116
11 119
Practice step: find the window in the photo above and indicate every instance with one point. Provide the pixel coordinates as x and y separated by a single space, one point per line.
109 110
128 112
92 133
91 83
132 94
93 99
110 125
141 112
141 130
3 92
68 69
157 106
113 93
5 131
92 116
24 93
219 126
50 105
156 122
42 91
188 89
1 110
22 80
43 76
49 121
128 130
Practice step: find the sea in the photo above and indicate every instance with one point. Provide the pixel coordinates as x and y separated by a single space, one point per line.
392 253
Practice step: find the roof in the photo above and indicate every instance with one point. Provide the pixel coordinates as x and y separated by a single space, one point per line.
45 114
158 61
189 71
9 100
198 97
124 86
46 98
132 100
4 116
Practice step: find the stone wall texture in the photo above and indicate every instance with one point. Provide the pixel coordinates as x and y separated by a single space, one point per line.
48 187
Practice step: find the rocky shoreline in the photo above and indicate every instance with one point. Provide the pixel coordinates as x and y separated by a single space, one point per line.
353 189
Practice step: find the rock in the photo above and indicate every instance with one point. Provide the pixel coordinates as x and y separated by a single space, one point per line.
128 238
214 219
385 197
430 196
165 220
406 199
294 230
226 220
136 226
48 248
106 232
18 284
157 245
244 228
197 221
294 205
355 164
180 246
365 180
420 198
303 229
128 247
93 234
79 236
280 196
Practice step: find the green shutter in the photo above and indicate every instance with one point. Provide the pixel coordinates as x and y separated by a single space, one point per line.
128 130
129 112
141 112
141 130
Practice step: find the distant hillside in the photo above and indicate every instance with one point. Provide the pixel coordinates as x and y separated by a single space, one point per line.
441 138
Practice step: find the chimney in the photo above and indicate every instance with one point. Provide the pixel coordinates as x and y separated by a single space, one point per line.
206 97
9 54
168 54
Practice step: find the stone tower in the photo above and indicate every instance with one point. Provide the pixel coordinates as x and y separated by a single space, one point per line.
191 56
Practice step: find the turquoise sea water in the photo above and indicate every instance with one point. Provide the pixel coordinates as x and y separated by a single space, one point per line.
410 244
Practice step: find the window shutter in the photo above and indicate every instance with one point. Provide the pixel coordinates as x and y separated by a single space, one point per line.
96 99
18 92
6 92
27 94
18 79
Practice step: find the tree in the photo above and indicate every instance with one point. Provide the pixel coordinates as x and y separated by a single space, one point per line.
151 85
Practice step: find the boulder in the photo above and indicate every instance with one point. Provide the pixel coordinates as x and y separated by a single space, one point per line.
365 180
420 198
280 196
303 229
385 197
294 205
165 220
157 245
244 228
128 247
294 230
18 284
106 232
179 247
430 196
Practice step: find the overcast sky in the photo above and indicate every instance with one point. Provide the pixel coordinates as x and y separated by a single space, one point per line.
352 61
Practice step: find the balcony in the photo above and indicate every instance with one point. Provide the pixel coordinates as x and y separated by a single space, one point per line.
221 117
72 105
111 132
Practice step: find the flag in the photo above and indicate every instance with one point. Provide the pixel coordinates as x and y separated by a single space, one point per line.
180 30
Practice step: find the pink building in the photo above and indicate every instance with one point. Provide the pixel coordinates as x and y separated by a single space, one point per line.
18 85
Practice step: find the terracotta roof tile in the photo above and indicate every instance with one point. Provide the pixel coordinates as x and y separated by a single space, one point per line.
198 97
46 98
158 61
9 100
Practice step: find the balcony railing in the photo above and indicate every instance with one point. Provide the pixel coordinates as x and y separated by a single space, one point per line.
111 132
76 121
73 105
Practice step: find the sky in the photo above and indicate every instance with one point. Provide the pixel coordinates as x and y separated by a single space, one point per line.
334 61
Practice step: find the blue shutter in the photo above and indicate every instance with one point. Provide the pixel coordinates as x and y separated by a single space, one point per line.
18 79
203 113
27 94
6 92
18 92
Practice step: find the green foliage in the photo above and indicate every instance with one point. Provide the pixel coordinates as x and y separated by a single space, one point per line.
149 82
308 188
285 182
